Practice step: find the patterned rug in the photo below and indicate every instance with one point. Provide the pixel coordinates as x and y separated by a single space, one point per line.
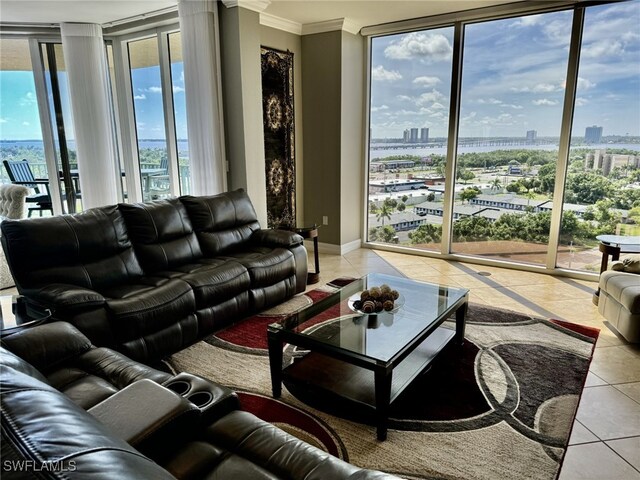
500 408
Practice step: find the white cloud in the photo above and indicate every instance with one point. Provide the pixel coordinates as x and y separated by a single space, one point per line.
28 99
529 20
154 90
380 74
430 97
584 84
25 124
381 107
177 89
604 48
544 101
438 106
404 98
140 124
581 101
538 88
3 120
430 47
142 96
426 81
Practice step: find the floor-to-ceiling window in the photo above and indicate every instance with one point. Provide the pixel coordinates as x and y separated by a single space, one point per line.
20 132
410 93
602 186
511 101
155 83
507 136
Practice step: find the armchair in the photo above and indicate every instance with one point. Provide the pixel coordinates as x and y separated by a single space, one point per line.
619 301
20 173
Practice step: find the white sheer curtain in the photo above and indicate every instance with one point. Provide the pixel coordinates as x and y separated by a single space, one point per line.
200 53
86 66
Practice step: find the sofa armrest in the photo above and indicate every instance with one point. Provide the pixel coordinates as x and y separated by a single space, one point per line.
47 346
61 296
276 238
149 417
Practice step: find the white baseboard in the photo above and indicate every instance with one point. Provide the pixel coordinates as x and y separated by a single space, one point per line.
331 249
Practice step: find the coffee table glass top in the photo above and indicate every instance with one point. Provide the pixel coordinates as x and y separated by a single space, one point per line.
331 322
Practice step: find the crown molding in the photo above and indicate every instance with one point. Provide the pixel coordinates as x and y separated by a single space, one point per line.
330 26
280 23
255 5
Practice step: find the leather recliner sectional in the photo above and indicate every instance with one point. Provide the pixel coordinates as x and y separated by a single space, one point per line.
74 411
149 279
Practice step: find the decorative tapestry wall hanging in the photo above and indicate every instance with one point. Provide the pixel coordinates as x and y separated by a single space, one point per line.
279 148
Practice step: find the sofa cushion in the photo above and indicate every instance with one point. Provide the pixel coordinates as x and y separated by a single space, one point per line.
623 288
90 249
266 266
162 234
213 285
223 222
145 310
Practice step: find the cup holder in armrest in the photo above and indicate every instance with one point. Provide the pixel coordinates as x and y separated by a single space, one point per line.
179 386
200 399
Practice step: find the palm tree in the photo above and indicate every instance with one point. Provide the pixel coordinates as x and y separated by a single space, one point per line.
384 212
496 185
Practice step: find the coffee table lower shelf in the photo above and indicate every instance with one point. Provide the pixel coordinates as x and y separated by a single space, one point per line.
325 374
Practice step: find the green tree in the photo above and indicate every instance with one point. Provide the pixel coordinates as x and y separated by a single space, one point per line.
426 233
401 207
386 234
496 185
472 228
465 175
404 199
514 187
431 197
587 188
547 177
384 212
372 208
469 194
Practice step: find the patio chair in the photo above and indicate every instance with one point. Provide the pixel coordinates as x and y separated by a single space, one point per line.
159 185
20 173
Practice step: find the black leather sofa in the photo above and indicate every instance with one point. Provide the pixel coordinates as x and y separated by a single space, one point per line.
149 279
74 411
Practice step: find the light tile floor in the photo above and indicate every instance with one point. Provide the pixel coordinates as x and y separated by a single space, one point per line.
605 442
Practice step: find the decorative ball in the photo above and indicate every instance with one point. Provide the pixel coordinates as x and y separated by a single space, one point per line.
368 306
384 288
394 294
364 295
375 292
388 305
378 306
357 304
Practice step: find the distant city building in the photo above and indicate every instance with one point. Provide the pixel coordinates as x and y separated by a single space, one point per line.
593 134
595 159
532 135
424 135
406 136
414 135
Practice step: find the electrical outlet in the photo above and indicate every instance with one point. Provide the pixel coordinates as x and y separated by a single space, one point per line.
325 220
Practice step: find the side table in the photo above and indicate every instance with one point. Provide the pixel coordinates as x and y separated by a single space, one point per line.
309 233
15 315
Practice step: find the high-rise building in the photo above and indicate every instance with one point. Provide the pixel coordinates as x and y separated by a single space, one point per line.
593 134
532 135
414 135
424 135
406 136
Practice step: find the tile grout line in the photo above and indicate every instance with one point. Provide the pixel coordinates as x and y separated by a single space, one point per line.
623 459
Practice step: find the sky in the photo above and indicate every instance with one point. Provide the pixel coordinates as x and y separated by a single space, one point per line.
513 76
19 118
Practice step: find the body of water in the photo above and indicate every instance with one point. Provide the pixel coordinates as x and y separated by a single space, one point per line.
71 144
426 151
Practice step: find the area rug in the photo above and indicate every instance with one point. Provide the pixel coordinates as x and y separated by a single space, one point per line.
502 407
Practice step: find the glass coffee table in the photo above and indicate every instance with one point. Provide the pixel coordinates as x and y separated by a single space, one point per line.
368 358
